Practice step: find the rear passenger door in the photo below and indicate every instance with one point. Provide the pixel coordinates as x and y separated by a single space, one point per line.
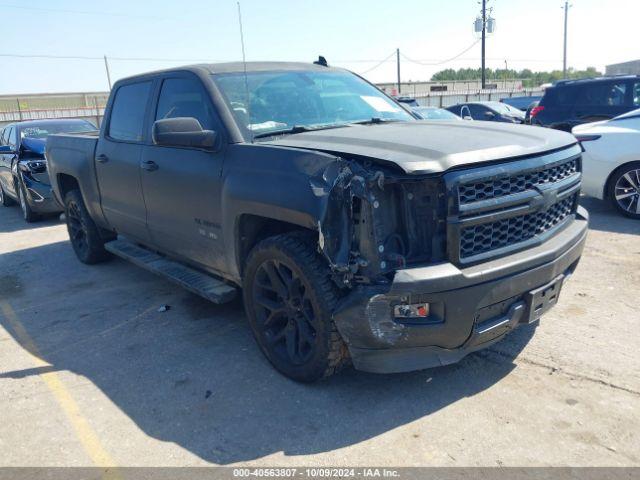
182 185
118 157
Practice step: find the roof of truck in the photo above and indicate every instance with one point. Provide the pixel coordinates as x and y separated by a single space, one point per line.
233 67
239 67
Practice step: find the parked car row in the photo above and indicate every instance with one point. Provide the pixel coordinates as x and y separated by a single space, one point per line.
603 113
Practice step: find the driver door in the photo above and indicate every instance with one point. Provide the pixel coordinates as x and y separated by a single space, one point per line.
181 185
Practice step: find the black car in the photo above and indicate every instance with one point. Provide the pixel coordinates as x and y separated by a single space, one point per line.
571 102
488 111
23 167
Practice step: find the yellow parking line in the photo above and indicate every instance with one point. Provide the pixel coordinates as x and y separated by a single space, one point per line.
87 436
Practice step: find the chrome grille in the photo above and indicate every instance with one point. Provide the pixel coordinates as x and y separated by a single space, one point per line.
490 236
508 185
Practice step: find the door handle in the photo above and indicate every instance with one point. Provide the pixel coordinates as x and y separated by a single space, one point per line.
102 158
149 165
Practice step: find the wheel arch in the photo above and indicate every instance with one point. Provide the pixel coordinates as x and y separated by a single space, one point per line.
252 229
66 183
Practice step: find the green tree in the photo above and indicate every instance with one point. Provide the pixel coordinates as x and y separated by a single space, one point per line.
530 79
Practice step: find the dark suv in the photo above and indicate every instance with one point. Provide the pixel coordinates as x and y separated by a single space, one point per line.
571 102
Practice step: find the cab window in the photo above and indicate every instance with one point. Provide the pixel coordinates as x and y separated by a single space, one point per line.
128 112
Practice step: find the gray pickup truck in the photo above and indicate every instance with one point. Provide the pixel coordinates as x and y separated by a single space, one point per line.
356 233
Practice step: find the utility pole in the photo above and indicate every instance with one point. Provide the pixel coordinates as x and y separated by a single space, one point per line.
564 57
398 64
106 66
506 73
484 30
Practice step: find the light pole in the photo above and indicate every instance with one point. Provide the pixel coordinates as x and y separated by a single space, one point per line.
106 67
484 29
398 65
564 57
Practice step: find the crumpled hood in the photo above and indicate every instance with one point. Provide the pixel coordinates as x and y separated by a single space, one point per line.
432 146
35 145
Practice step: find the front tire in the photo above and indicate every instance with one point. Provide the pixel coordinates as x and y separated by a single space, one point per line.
85 237
27 213
624 190
289 298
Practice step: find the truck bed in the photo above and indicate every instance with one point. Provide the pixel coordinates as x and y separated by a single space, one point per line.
72 156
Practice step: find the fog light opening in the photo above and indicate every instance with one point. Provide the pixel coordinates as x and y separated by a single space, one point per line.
411 310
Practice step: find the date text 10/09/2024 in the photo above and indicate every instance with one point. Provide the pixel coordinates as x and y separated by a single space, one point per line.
315 473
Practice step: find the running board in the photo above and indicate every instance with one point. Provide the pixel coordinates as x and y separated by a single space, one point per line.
195 281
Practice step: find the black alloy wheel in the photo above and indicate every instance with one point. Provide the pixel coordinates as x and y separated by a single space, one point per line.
289 298
285 312
86 239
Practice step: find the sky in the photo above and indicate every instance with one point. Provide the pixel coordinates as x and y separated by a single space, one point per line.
143 35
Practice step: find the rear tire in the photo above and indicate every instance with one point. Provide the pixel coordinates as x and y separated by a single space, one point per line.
623 190
84 234
289 299
27 213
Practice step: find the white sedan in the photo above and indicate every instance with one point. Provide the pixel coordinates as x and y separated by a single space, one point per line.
611 161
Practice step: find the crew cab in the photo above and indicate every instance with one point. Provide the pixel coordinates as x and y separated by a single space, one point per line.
355 232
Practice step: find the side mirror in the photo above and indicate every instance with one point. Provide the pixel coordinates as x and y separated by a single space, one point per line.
182 132
489 114
467 117
6 149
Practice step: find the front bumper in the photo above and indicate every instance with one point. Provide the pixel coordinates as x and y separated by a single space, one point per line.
40 195
472 308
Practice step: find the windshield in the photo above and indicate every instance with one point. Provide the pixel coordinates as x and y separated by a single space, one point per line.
278 101
42 131
427 113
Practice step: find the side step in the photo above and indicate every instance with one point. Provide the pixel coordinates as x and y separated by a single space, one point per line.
199 283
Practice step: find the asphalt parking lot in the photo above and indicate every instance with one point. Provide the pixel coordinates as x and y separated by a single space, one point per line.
91 373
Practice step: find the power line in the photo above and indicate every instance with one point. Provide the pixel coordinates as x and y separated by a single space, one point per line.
441 61
87 57
76 12
379 63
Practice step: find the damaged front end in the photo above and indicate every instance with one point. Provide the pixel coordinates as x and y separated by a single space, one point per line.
376 221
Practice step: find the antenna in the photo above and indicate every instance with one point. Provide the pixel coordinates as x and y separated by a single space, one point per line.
244 65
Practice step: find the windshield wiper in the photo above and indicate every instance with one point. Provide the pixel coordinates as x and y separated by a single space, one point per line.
284 131
375 120
296 129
